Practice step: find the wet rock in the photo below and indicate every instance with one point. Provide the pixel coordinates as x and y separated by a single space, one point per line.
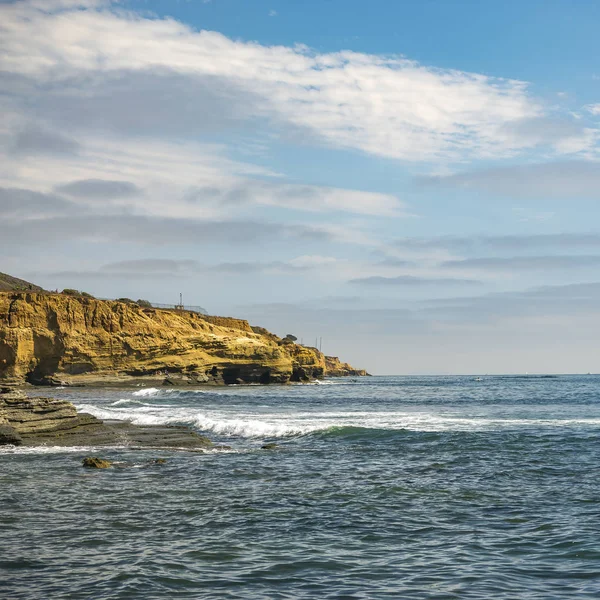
158 461
93 462
42 415
269 446
9 437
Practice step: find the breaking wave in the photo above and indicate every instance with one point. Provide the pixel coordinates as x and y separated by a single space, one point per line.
335 424
146 392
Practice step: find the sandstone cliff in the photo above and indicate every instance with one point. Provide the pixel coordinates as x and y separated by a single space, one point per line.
46 338
335 368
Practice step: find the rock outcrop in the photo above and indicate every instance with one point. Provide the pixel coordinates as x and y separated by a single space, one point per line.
48 421
58 339
335 368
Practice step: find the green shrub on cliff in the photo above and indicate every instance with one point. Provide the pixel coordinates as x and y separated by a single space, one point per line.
72 292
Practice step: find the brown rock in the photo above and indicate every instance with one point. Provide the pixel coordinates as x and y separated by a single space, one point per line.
92 462
9 437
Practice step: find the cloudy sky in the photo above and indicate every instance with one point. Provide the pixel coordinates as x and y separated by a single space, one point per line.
415 182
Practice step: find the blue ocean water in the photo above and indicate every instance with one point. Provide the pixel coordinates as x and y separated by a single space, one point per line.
384 487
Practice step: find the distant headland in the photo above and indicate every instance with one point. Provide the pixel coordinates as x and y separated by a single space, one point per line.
72 338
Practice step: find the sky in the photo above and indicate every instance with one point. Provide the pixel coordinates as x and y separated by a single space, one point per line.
416 182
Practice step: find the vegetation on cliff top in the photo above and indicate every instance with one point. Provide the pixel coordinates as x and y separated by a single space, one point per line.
8 283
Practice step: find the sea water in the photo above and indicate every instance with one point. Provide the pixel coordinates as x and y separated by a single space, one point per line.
383 487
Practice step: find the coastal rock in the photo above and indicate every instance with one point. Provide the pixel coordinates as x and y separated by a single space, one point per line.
269 446
335 368
60 340
52 422
8 436
92 462
42 415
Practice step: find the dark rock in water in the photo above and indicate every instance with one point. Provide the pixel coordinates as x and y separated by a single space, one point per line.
158 461
270 446
93 462
8 436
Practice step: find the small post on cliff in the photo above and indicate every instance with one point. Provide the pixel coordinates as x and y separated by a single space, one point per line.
179 306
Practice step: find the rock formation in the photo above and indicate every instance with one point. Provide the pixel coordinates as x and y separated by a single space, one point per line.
47 421
74 340
335 368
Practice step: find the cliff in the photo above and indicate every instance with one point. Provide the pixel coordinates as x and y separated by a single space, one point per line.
335 368
56 338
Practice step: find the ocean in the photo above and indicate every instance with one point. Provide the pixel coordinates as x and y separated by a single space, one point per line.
383 487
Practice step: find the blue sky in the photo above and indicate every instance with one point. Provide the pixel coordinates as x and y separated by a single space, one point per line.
416 182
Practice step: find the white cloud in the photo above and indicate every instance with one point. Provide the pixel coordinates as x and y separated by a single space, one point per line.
179 180
313 261
593 108
382 105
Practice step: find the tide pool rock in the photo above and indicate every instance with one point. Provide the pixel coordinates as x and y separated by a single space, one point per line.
93 462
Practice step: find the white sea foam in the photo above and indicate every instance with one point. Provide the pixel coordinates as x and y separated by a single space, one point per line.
286 424
126 401
146 392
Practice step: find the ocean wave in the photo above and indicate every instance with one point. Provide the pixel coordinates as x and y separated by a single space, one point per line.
146 392
293 424
127 401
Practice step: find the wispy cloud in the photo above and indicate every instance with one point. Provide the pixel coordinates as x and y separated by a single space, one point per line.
382 105
564 179
501 242
411 280
525 262
593 108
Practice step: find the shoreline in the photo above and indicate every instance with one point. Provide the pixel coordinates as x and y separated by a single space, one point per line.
38 421
132 382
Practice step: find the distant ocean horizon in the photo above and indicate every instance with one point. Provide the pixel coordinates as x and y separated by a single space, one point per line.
421 487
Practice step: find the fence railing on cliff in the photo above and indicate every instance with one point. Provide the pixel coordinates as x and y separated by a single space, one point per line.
184 307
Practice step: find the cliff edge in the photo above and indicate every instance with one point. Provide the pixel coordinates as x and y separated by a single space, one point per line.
74 340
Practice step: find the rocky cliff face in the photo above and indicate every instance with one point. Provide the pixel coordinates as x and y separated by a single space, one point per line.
335 368
47 338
